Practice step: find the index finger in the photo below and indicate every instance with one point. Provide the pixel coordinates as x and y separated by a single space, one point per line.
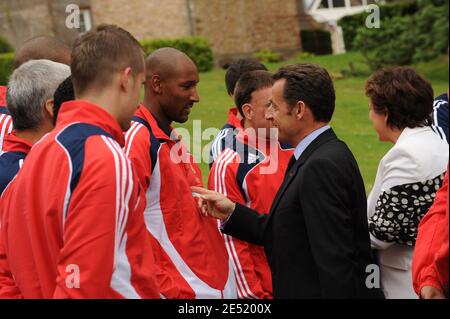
202 191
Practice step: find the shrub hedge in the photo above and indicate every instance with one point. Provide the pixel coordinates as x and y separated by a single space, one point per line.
404 39
197 48
5 46
6 67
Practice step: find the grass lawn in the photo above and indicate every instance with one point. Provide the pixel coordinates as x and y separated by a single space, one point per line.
350 120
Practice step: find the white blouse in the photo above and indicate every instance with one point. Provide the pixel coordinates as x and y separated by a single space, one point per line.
407 179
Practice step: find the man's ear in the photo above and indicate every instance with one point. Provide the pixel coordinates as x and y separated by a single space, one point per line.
155 83
386 118
247 110
300 110
125 78
48 108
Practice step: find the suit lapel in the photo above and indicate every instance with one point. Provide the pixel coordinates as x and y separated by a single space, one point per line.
290 175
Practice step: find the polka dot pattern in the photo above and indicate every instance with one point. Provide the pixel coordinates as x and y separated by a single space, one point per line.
400 209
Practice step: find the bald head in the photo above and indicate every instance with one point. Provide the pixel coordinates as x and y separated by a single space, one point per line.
170 85
167 62
42 47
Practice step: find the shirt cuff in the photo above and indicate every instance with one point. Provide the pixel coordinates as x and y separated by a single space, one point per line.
224 222
375 243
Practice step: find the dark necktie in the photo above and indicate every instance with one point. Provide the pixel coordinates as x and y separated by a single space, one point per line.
291 163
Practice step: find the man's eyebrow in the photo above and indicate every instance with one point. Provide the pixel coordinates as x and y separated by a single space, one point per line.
189 82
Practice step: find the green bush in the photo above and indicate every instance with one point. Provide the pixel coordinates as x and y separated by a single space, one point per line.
5 46
268 56
316 41
197 48
6 67
304 55
356 70
424 3
403 40
351 24
392 44
431 32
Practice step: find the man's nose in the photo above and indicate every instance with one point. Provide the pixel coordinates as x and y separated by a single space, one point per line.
268 115
195 97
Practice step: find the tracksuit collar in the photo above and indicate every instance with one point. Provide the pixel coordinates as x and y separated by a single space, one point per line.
3 95
87 112
233 119
159 130
13 143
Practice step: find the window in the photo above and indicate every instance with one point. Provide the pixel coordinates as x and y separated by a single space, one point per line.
338 3
356 3
85 20
330 4
324 4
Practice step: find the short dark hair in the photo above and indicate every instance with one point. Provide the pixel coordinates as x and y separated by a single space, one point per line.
64 92
100 53
237 69
42 47
402 94
249 83
311 84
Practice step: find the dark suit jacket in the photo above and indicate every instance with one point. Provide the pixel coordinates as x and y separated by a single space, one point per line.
316 236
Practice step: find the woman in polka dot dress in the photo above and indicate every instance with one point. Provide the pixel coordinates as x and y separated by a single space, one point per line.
408 176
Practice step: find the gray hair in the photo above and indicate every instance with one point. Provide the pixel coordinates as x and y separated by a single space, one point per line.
29 87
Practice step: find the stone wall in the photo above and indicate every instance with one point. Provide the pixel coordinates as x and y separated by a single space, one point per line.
245 26
23 19
233 27
144 18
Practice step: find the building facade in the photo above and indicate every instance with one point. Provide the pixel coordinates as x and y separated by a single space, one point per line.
233 27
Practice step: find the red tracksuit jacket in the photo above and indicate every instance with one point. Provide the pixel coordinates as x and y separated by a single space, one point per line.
5 118
225 134
238 173
15 149
71 221
430 260
3 95
189 250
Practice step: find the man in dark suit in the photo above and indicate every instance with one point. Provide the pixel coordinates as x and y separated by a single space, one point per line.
316 236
